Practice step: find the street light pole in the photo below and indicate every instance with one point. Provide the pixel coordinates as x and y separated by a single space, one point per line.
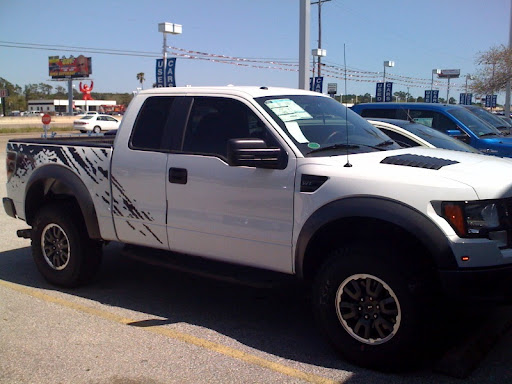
304 24
434 71
165 28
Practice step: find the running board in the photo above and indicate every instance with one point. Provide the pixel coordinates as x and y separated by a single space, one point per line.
216 270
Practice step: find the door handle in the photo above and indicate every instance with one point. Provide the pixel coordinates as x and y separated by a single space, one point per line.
178 175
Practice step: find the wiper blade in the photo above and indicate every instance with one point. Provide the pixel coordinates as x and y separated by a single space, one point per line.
334 146
385 143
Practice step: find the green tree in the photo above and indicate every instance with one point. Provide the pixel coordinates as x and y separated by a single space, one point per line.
141 78
400 95
496 70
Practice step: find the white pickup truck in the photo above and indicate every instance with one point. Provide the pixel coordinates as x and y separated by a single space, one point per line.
282 180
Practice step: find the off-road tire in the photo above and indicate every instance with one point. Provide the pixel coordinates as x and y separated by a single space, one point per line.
388 330
61 248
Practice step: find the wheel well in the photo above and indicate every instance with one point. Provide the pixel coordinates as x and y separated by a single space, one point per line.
410 253
43 192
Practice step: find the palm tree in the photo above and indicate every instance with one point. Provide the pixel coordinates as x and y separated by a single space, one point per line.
141 78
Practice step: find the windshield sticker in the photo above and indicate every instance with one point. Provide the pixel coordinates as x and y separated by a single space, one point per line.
294 129
287 110
313 145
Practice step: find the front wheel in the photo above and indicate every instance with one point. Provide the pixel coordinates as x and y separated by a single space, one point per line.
61 249
367 310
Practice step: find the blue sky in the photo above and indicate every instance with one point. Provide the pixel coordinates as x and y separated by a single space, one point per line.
417 35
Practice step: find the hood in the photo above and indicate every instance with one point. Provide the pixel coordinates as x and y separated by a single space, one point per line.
490 177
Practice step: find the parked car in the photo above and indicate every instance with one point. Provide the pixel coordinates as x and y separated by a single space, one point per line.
488 117
96 123
410 134
453 120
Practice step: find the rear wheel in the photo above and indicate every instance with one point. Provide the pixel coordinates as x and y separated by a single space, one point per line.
62 251
368 310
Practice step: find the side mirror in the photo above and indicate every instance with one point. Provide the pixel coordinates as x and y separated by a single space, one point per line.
255 153
459 135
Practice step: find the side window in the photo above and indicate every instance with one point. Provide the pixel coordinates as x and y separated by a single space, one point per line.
432 119
400 139
214 121
383 113
150 124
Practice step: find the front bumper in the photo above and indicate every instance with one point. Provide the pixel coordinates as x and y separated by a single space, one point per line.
481 284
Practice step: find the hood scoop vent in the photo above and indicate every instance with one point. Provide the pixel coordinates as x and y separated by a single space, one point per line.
418 161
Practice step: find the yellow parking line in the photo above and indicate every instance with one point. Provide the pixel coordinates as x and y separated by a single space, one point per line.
184 337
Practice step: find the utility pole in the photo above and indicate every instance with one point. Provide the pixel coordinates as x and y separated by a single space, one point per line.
319 2
304 48
507 92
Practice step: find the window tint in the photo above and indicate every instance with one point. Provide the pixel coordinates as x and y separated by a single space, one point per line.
150 124
214 121
384 113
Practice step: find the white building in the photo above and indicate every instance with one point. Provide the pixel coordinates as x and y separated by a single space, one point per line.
61 106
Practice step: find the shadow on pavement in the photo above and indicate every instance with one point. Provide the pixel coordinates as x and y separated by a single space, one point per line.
273 320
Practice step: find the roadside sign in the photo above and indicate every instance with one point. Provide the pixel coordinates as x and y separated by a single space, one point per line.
428 96
435 96
4 93
465 98
165 75
379 93
388 93
46 119
332 88
490 101
318 86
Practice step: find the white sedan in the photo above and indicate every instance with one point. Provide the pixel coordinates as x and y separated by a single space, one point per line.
410 134
96 123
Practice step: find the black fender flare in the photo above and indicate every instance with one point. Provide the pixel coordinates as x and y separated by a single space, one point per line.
73 183
373 207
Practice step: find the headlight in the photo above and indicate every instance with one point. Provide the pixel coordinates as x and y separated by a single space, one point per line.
483 219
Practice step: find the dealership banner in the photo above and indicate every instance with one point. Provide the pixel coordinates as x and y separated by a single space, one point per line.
72 67
165 77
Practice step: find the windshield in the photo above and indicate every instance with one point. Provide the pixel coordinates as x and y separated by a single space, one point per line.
495 121
320 125
440 140
475 124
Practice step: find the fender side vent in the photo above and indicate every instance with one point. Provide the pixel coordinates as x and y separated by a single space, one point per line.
310 183
418 161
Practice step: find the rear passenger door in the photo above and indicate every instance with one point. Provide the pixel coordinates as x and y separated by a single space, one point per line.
236 214
139 166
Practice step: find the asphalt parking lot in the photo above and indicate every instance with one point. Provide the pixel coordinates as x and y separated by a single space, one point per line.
138 323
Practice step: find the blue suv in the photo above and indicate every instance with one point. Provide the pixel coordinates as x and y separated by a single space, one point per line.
453 120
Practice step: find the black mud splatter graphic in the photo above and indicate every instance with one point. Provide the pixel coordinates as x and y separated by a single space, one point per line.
77 159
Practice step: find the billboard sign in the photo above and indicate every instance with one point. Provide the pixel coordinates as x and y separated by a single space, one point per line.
72 67
332 88
449 73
